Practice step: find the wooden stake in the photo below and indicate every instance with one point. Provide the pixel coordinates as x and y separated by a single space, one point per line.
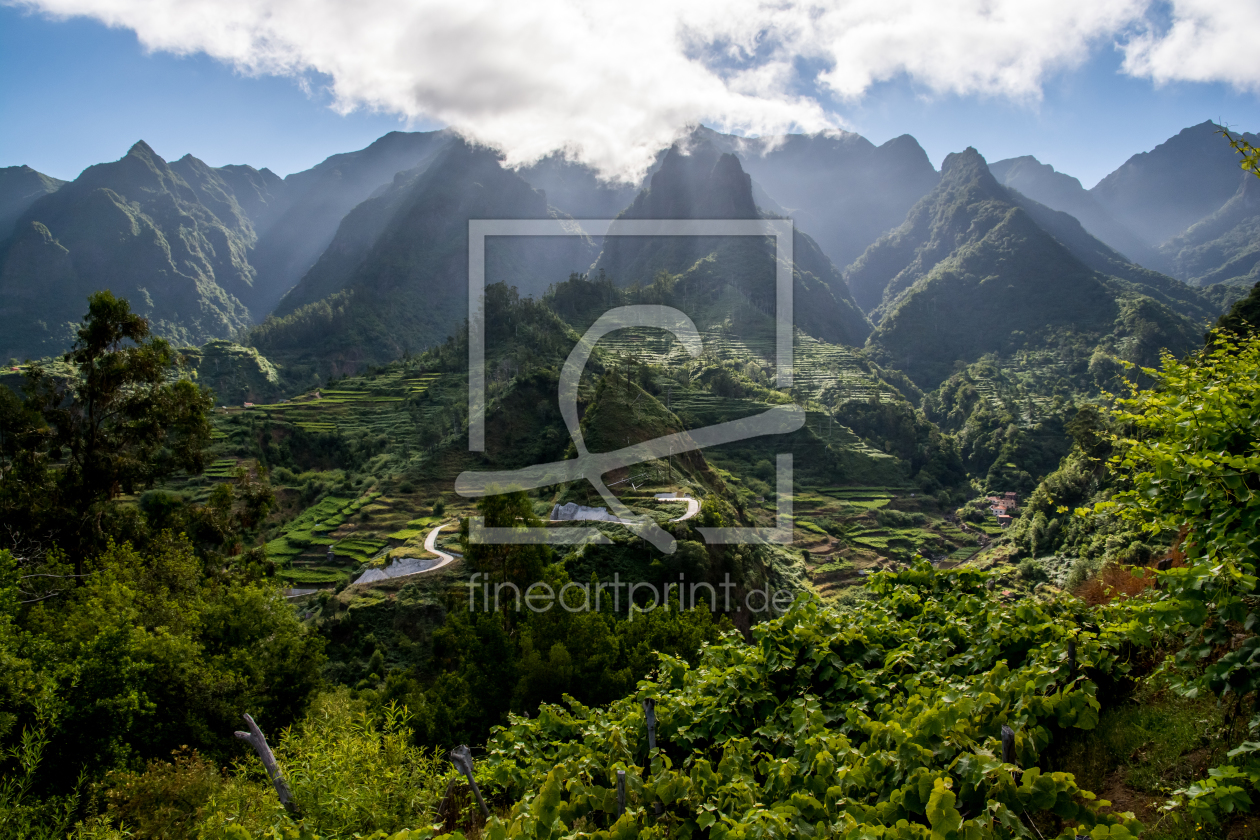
649 714
258 741
461 757
621 793
1008 745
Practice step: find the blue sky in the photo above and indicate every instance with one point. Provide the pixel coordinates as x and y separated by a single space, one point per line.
76 93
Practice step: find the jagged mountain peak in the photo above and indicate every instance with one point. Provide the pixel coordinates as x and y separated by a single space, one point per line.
1025 168
142 149
968 166
697 182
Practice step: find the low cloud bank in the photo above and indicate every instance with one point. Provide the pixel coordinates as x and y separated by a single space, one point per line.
611 83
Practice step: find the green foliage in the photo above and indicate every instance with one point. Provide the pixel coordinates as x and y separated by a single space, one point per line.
150 652
1250 154
1032 572
235 374
1189 456
1008 421
351 772
167 799
884 718
897 428
119 425
1243 316
519 564
485 665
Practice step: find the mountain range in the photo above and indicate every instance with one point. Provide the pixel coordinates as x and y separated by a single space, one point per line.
364 257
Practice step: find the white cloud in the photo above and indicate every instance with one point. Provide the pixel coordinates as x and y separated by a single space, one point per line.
1205 41
612 82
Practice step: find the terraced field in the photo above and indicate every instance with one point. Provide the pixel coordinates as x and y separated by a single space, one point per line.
826 374
332 540
347 407
847 532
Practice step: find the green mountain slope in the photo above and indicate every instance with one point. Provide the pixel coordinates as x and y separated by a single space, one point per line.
396 278
317 200
1125 274
1160 193
1225 246
966 204
1059 191
708 184
975 273
20 187
177 251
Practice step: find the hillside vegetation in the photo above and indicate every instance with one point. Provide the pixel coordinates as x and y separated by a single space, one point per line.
1000 578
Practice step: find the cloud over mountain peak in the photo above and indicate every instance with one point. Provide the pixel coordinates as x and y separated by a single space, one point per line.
611 84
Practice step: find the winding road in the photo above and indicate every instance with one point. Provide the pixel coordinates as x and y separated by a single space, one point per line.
693 507
430 544
408 566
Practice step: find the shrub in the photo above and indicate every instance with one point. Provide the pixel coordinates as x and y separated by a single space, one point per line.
166 799
1032 572
351 774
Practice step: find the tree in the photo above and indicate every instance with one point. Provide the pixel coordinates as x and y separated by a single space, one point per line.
121 421
520 564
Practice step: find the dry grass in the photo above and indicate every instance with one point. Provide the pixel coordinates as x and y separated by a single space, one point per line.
1115 582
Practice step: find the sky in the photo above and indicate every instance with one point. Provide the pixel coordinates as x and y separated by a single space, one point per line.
1080 84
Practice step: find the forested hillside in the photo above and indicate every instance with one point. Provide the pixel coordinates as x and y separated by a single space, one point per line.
996 579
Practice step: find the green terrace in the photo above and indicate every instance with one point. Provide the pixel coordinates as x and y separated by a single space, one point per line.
844 532
356 403
324 543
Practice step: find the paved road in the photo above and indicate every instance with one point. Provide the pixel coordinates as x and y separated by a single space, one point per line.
430 544
408 566
693 507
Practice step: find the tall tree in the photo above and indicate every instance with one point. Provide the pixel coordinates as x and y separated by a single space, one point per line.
121 421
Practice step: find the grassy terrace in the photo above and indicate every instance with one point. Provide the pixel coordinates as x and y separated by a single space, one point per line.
349 407
845 531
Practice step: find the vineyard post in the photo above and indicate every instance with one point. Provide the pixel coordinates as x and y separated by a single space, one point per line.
1008 745
462 759
258 741
649 716
621 793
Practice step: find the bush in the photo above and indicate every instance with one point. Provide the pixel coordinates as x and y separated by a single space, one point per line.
1032 572
166 799
351 774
